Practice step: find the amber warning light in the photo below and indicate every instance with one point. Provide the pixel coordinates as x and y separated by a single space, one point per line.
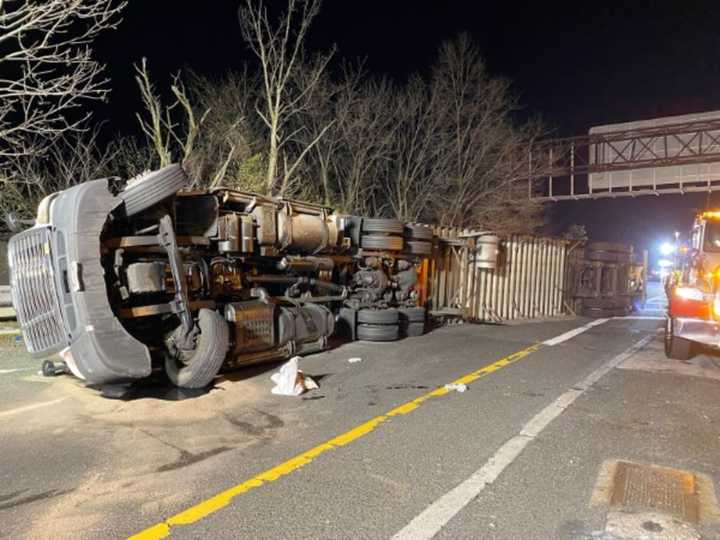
711 214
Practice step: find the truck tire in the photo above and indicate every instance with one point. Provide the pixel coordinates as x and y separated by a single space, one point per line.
378 316
412 315
419 248
413 329
600 313
610 246
376 332
153 188
206 360
676 348
382 225
418 232
378 241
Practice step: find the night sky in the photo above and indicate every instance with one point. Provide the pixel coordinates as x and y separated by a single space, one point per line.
575 65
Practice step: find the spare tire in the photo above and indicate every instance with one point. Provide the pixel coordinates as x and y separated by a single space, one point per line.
378 316
378 241
382 225
610 246
153 188
418 232
372 332
419 248
203 364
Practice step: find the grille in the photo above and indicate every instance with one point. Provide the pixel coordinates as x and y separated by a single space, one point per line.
34 292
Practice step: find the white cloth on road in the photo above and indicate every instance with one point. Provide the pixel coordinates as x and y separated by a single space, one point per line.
290 381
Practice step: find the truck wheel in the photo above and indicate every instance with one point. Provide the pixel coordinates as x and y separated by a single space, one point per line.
418 232
600 313
153 188
378 241
382 225
412 315
676 348
378 332
378 316
413 329
199 368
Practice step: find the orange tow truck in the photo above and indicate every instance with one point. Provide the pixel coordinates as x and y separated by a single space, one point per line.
693 291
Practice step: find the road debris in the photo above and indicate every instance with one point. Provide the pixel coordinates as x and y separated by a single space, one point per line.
290 381
457 387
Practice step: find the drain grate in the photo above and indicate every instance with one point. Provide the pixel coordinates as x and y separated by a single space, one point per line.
671 491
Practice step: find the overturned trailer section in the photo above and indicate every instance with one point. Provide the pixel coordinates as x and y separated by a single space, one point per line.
480 276
483 277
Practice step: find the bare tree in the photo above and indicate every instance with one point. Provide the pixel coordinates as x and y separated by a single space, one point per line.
70 160
483 149
49 70
365 131
323 126
170 138
279 49
229 147
412 176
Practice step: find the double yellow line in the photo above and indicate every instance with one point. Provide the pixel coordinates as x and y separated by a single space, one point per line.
222 499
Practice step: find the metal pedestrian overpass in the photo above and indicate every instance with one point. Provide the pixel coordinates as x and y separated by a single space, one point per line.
671 155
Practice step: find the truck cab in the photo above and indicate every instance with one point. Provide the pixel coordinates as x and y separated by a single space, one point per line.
693 291
122 279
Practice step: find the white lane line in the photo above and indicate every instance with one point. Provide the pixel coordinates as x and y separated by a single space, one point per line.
640 318
27 408
572 333
429 522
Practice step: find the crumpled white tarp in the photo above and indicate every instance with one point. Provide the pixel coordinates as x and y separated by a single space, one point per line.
290 381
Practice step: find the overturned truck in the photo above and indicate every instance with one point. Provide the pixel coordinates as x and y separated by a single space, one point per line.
123 278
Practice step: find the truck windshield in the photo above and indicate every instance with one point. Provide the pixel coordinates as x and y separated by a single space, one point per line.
712 235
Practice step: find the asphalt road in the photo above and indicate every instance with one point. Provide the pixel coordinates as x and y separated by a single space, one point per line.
380 449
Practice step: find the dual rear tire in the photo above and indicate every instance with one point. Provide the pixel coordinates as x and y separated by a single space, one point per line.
390 324
378 325
381 234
